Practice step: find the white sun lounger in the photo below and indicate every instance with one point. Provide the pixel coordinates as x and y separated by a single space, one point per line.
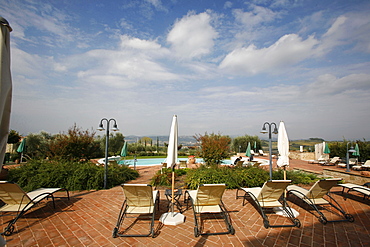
365 166
17 200
207 199
270 195
358 188
319 194
140 200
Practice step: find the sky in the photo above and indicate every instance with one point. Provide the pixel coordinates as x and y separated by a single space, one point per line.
223 67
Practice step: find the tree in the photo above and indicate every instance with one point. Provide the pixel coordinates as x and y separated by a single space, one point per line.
13 137
340 149
77 145
38 144
213 148
115 145
242 143
146 140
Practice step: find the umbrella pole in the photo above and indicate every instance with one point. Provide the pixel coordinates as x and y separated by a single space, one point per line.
173 189
284 172
284 179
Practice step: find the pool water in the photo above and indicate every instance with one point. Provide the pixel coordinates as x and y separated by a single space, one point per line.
157 161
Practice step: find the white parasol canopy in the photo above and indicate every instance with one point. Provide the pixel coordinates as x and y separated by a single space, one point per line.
5 85
172 143
283 146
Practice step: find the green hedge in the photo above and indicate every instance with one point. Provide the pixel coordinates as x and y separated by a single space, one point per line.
236 177
297 177
70 175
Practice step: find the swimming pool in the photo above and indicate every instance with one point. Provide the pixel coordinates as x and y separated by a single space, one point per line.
158 161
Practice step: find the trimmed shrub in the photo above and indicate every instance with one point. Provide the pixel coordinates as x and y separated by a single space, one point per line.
236 177
297 177
70 175
233 177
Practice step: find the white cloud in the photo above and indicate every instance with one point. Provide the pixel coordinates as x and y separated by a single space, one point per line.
125 66
256 17
50 21
157 4
352 28
328 84
287 51
228 5
131 42
192 36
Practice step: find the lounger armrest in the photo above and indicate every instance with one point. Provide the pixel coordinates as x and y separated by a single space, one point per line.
357 188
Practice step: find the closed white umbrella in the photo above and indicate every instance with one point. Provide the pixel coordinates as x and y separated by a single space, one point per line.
5 86
283 146
172 143
283 161
172 218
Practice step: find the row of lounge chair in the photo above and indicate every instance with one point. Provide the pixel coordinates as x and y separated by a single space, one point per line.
207 199
259 153
143 202
336 161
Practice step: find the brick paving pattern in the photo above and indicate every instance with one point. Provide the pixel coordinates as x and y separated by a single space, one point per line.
89 217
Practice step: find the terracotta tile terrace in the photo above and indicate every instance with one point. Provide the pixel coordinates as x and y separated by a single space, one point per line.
89 217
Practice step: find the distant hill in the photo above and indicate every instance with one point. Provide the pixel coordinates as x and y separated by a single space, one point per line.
184 140
190 141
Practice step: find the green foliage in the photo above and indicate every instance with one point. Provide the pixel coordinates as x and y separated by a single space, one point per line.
146 141
213 148
340 149
70 175
13 137
163 177
297 177
236 177
240 143
251 176
115 144
38 145
76 145
316 139
232 176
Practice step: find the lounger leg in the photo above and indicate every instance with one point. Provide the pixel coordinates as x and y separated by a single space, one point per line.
196 228
9 229
290 213
152 224
226 217
336 205
121 215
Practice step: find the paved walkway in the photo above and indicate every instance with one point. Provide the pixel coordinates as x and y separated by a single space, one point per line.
89 218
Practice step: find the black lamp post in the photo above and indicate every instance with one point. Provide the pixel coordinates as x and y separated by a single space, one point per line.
351 150
101 128
264 131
